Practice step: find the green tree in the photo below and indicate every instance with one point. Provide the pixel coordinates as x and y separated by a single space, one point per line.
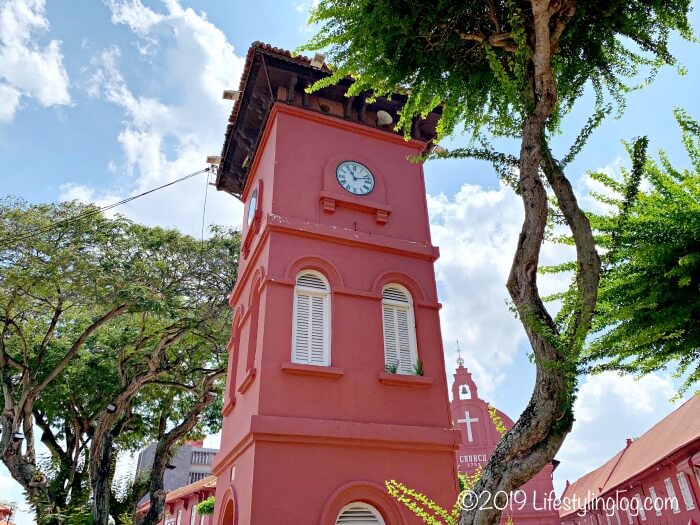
514 69
648 315
97 312
206 507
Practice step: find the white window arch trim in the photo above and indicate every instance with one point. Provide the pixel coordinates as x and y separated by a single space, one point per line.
399 329
359 513
311 319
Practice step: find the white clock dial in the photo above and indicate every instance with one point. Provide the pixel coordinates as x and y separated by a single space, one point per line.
354 177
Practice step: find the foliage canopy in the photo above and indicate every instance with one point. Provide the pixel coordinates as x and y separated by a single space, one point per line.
648 314
206 507
100 312
512 68
474 57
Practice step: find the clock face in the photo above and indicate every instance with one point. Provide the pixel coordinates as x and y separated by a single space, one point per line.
354 177
252 206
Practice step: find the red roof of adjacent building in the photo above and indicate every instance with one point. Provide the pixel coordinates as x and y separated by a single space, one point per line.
675 431
206 483
5 513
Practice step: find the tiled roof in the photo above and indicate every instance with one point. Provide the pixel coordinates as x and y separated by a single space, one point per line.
675 431
268 68
270 50
258 47
206 483
591 485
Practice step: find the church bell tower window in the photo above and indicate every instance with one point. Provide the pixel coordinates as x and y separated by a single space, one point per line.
400 354
311 320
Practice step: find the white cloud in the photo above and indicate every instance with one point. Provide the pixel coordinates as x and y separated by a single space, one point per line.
26 68
6 482
11 492
304 7
587 187
213 441
168 132
9 102
477 232
609 409
133 13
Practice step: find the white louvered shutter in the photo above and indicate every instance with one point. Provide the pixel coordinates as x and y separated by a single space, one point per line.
359 514
672 495
655 501
399 331
311 321
640 507
685 491
391 354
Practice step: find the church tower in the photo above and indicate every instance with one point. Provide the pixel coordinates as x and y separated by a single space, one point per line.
336 379
534 502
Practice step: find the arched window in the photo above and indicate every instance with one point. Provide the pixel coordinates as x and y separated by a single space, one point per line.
359 514
400 354
311 338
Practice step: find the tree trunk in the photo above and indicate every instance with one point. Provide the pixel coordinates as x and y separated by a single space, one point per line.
156 487
165 445
23 469
540 431
100 477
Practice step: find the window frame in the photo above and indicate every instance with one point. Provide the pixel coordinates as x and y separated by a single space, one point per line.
412 336
326 296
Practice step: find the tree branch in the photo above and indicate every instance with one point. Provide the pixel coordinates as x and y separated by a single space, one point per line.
494 16
76 346
566 12
47 336
47 436
588 262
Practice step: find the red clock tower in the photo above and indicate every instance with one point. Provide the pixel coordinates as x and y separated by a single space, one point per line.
336 376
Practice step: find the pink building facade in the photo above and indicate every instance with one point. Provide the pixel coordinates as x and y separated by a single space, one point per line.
336 380
534 502
654 480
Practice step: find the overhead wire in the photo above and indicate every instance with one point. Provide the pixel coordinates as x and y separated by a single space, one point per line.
201 247
17 238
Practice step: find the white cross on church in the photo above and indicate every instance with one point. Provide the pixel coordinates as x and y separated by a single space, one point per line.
468 421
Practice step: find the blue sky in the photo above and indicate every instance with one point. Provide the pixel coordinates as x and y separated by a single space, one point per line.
101 100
